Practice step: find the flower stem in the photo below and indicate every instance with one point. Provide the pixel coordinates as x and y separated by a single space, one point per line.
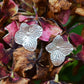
3 78
74 26
27 13
27 4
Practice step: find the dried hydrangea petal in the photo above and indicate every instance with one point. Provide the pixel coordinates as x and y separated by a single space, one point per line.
49 29
75 39
57 57
12 28
9 7
30 43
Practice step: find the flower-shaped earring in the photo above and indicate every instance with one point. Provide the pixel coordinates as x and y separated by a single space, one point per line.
28 35
58 50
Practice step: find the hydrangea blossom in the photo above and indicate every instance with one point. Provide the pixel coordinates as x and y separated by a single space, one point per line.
28 35
58 50
12 28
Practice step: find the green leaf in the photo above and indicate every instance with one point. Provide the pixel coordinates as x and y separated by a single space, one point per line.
66 74
78 49
37 81
77 29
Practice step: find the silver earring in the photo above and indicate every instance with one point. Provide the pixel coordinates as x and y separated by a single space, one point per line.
58 50
27 36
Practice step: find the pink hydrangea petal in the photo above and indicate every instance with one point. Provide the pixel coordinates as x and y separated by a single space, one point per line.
65 37
29 19
76 39
12 29
45 35
23 18
55 30
3 55
64 16
81 54
31 22
5 59
48 30
3 72
83 47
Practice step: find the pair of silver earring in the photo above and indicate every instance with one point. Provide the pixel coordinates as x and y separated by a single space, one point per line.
27 37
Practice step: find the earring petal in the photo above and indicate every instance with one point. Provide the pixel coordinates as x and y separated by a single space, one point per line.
66 48
18 37
57 57
30 43
28 35
58 40
50 47
35 30
58 49
24 27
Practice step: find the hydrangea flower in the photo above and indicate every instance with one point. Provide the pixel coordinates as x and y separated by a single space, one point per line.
64 16
28 35
76 39
58 50
12 28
